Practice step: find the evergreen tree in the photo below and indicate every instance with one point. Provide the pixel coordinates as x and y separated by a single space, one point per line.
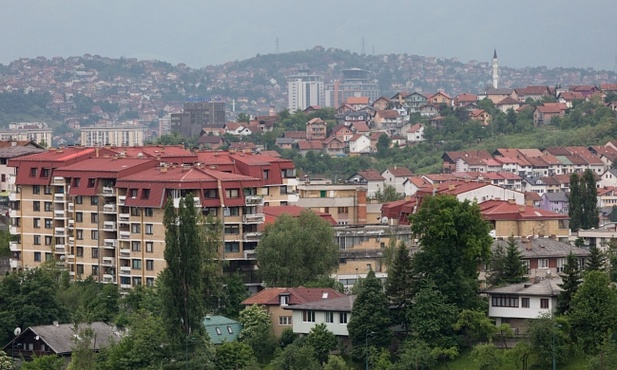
496 266
399 286
432 318
513 268
613 216
369 317
571 279
596 260
181 283
574 203
590 217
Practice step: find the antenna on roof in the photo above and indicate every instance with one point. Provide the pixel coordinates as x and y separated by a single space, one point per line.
363 45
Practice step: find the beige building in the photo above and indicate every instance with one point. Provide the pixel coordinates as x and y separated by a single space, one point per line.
37 132
114 135
346 203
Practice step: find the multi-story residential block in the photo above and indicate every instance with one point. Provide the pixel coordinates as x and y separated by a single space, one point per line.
196 115
115 135
99 211
13 149
355 82
346 203
304 90
37 132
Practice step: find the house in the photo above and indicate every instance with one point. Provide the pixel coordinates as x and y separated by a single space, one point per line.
440 97
533 92
359 144
449 159
462 100
414 101
399 99
305 146
334 313
386 118
497 95
221 330
508 103
481 116
555 202
413 184
276 300
607 197
543 114
316 129
415 134
58 339
515 304
342 132
586 90
284 143
429 110
371 178
569 97
395 176
239 129
381 103
334 146
211 142
357 102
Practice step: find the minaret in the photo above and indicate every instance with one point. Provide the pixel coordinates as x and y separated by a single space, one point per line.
495 68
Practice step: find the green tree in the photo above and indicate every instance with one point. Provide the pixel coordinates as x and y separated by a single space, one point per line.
399 286
388 194
181 283
383 145
475 326
296 250
234 292
257 331
613 216
590 217
337 363
83 356
487 356
520 353
506 266
369 320
44 363
593 310
322 341
547 336
454 240
296 357
606 359
288 337
234 356
596 260
417 355
432 318
571 279
575 207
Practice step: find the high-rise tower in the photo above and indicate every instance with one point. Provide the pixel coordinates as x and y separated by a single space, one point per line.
495 70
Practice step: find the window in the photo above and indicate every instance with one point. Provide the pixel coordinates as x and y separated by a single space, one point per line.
95 252
525 302
149 281
230 330
94 234
285 320
47 190
45 172
47 239
543 263
48 223
135 211
133 193
135 228
37 223
232 229
232 193
342 317
47 206
136 281
36 206
91 182
210 194
80 269
36 189
95 270
561 263
266 174
80 252
211 211
48 257
504 300
94 218
37 256
527 266
149 229
79 217
308 316
149 247
544 303
135 246
343 210
76 182
79 234
284 300
145 193
329 317
136 264
149 265
79 199
218 330
94 201
232 247
233 211
33 172
148 212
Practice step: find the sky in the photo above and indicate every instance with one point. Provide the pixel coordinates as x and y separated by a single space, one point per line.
553 33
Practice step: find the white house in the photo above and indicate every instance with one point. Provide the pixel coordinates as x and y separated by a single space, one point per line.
513 304
371 178
415 134
359 144
395 176
335 313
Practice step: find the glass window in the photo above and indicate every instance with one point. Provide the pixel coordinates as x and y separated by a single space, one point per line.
95 253
149 247
136 264
149 281
135 246
232 193
36 223
232 247
47 190
47 239
148 212
48 223
285 320
149 265
79 199
94 235
79 217
79 234
47 206
329 317
135 211
94 218
149 229
36 206
94 201
36 189
525 302
37 256
544 303
342 317
210 194
135 228
308 316
80 252
504 300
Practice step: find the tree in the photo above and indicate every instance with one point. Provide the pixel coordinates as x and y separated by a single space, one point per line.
548 336
296 250
296 357
234 292
593 310
234 356
369 320
613 216
575 210
181 282
454 240
322 341
432 318
388 194
337 363
6 361
571 279
476 327
257 331
487 356
417 355
596 260
399 286
606 359
506 264
383 145
83 356
590 217
519 354
50 362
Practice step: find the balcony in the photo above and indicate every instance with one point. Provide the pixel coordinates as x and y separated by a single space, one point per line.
72 273
59 181
59 197
124 216
108 190
59 213
71 241
13 213
71 207
15 263
15 246
125 252
125 286
109 208
70 258
125 270
254 236
254 200
13 230
110 243
121 200
253 218
109 226
13 196
59 231
249 255
125 234
71 224
109 279
108 261
60 248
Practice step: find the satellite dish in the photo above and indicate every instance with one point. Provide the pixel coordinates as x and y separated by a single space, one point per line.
37 337
384 220
17 331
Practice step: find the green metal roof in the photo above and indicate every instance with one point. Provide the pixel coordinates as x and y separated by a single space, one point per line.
221 329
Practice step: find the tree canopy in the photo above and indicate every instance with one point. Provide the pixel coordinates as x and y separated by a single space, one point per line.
296 250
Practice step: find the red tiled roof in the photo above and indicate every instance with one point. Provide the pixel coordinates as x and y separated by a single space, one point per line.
400 171
357 100
270 296
552 107
310 144
295 134
272 213
390 113
371 175
360 127
504 210
414 128
508 101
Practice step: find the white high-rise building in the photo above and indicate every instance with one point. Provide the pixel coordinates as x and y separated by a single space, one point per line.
304 90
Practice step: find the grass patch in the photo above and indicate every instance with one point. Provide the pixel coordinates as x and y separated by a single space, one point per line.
466 362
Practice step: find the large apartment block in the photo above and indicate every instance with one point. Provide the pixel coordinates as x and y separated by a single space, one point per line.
99 211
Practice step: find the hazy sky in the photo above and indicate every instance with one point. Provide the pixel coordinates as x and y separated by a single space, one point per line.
569 33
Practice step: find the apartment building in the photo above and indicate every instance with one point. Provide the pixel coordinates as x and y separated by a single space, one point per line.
116 135
99 211
37 132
